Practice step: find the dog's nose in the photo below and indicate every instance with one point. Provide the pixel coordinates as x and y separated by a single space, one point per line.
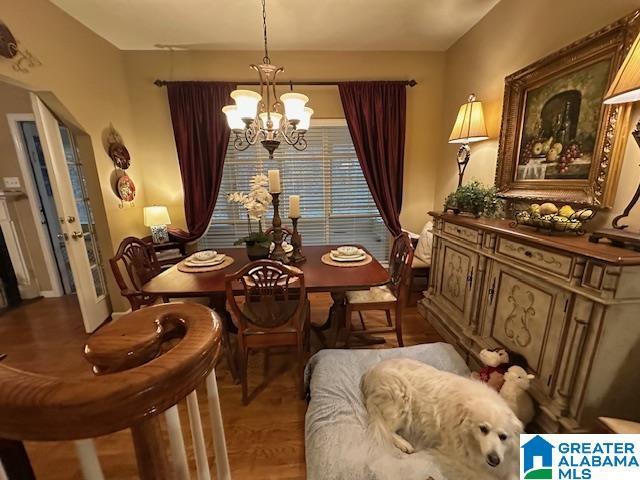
493 459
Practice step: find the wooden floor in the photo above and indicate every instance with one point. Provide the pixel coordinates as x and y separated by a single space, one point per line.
265 439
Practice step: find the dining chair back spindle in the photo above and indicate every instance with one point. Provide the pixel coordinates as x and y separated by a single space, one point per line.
274 312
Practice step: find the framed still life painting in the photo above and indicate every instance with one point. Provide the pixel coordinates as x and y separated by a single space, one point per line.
558 141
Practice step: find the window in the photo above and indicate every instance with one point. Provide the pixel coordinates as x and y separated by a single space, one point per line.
336 205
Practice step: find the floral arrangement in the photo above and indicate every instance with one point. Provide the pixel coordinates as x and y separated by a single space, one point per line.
256 203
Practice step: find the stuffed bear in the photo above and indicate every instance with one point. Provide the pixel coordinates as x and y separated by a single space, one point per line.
514 392
496 363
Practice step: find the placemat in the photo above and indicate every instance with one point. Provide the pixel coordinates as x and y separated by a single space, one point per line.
326 258
186 269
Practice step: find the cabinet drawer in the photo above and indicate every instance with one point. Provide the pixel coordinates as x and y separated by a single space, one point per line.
543 259
463 233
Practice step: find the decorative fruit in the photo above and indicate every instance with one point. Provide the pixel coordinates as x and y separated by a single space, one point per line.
534 208
552 156
566 211
584 214
557 147
537 148
548 209
546 146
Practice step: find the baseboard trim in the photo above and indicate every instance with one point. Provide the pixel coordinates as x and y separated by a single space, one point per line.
49 294
117 315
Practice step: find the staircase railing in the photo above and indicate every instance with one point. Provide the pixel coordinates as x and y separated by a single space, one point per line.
145 363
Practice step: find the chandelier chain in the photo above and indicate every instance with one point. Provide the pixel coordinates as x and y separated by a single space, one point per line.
266 58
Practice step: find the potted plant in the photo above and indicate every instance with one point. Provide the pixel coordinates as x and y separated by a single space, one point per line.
256 203
474 198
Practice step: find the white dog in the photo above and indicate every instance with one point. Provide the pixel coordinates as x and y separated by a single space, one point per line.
414 406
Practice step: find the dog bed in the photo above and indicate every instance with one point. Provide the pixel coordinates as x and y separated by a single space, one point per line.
336 442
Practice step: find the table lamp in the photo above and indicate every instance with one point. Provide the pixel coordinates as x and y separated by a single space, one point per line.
625 89
157 217
469 128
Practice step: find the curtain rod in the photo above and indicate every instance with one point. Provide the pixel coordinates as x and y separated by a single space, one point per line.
410 83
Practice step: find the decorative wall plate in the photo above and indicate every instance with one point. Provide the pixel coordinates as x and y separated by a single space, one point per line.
126 188
8 44
119 155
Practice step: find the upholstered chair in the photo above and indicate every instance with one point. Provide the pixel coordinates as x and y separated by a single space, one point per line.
388 298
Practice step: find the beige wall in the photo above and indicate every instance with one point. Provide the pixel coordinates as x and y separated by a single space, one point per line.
86 75
16 100
154 136
514 34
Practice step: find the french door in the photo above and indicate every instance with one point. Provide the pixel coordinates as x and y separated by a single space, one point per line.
75 216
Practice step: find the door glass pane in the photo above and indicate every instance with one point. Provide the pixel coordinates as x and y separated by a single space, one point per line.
85 221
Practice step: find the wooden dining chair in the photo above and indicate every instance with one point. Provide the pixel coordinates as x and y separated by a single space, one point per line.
275 312
138 260
392 296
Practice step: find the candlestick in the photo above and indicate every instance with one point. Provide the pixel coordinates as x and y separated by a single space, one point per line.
274 181
278 252
296 242
294 206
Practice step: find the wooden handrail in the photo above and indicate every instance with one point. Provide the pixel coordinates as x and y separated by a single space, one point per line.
148 381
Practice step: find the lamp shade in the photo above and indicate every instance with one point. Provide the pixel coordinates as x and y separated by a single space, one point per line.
275 120
469 126
246 103
626 86
233 117
305 121
294 105
156 215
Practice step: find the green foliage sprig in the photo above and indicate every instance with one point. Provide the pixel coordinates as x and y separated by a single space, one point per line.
475 198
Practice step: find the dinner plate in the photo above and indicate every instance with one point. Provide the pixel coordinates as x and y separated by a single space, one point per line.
338 258
217 260
359 255
287 247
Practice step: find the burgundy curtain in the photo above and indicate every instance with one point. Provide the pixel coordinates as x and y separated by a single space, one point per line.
375 113
201 135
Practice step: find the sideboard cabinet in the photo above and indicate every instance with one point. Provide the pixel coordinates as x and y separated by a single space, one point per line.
570 307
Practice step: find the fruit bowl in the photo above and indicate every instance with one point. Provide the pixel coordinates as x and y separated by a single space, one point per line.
551 219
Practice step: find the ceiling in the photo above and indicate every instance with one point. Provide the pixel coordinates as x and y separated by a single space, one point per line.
293 24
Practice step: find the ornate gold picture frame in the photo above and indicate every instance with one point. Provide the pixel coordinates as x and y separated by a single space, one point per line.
558 142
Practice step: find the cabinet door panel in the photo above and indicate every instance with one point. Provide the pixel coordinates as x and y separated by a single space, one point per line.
528 318
456 280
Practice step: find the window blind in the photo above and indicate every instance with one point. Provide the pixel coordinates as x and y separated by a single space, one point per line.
336 205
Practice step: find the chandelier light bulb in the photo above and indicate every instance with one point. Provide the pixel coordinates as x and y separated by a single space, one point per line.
294 106
246 103
233 117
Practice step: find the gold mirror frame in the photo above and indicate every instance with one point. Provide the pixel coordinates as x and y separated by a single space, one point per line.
613 41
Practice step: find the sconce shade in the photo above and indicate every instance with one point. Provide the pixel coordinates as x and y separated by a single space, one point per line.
275 120
626 86
156 215
305 121
294 105
233 118
246 103
469 126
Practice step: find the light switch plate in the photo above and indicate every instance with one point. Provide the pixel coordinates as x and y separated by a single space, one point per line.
11 182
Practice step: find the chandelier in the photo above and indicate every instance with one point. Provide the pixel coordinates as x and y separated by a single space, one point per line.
259 117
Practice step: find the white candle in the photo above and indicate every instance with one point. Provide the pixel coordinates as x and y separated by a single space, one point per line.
294 206
274 181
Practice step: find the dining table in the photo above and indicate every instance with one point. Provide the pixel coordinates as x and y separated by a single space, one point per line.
318 277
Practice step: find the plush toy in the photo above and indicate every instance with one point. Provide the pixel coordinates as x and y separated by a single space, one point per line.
514 392
496 363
